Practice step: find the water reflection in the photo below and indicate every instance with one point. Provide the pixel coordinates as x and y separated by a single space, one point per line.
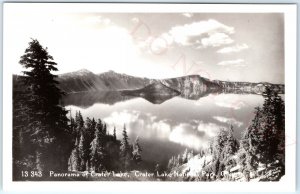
167 129
87 99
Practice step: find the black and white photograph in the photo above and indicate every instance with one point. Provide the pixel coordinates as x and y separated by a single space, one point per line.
142 96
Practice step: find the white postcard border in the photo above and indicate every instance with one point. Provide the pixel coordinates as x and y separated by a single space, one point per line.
287 184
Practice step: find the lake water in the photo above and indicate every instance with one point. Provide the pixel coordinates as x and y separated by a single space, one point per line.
168 128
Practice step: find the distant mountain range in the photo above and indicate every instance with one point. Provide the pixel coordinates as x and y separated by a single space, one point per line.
84 80
190 86
85 87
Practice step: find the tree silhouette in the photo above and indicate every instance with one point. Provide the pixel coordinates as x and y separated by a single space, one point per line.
98 152
47 125
125 151
114 134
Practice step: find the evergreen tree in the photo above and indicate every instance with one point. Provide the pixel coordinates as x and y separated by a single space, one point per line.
279 111
23 154
137 152
99 126
73 130
263 141
89 134
46 123
179 160
171 164
231 145
82 152
98 152
104 129
125 151
223 146
158 168
74 160
114 133
90 127
251 143
113 152
219 143
191 154
79 123
185 156
273 126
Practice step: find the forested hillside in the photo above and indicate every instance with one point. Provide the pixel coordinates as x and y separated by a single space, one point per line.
258 156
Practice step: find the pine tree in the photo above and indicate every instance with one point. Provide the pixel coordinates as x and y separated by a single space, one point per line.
114 134
73 130
74 160
79 122
273 128
185 156
99 126
157 168
171 164
179 160
137 152
22 147
263 141
125 151
104 129
219 143
251 143
231 145
191 154
89 135
98 153
82 152
47 123
90 127
279 111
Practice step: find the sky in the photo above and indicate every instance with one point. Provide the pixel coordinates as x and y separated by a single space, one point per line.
223 46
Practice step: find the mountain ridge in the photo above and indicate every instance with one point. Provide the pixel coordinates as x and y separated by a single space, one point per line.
189 86
156 92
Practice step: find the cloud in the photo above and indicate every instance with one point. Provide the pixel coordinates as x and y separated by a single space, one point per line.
233 49
120 118
202 34
185 134
192 136
233 105
188 15
235 63
228 120
162 128
194 33
229 101
137 122
209 129
216 40
195 135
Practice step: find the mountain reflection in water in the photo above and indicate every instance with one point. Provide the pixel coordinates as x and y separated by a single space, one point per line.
167 126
